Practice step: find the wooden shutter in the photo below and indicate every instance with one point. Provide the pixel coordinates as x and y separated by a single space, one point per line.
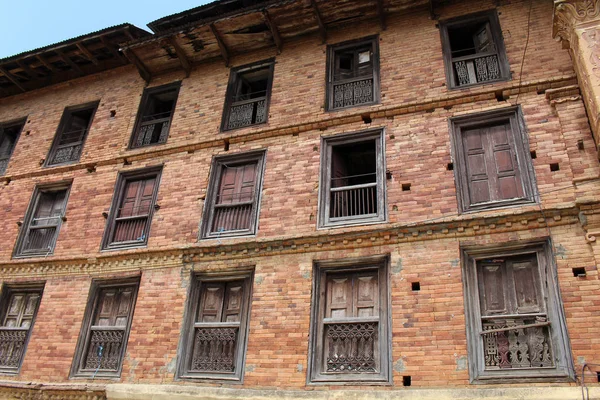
235 199
482 39
134 211
114 306
221 302
45 221
527 291
493 288
352 295
491 163
21 309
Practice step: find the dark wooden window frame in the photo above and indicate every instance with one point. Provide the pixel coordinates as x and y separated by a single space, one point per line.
564 369
148 92
19 252
62 126
84 334
217 165
185 345
492 17
521 142
321 268
9 124
332 49
8 289
233 79
119 192
327 142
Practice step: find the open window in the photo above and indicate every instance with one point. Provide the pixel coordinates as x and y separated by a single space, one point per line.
132 209
18 308
352 180
474 50
42 222
248 95
71 134
349 324
9 134
515 322
214 339
232 204
103 339
353 74
155 115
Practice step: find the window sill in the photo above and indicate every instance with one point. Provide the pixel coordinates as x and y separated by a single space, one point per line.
496 205
128 246
353 106
471 85
352 222
524 376
351 379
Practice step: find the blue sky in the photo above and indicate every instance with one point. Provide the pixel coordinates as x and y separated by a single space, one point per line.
29 24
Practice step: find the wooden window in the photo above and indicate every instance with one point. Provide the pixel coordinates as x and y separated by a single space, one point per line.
248 95
493 162
353 74
349 325
42 222
515 321
231 207
72 132
105 330
474 50
132 208
19 305
155 115
214 339
9 134
352 179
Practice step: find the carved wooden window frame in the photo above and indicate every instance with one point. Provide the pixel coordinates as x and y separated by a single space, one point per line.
93 106
3 126
218 163
148 93
77 369
19 250
234 78
542 251
8 291
327 143
122 180
373 42
323 269
490 16
521 149
198 282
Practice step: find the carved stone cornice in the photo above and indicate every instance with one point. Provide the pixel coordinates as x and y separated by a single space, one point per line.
568 14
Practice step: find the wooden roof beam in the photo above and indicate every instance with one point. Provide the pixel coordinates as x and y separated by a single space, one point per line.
45 63
322 30
26 69
221 44
381 14
274 32
183 59
87 53
13 79
70 62
143 71
114 52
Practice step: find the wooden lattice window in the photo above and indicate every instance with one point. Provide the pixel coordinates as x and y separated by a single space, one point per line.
19 305
133 204
352 179
72 132
9 134
214 340
231 207
43 219
350 327
353 74
474 50
515 319
155 115
493 161
105 330
248 95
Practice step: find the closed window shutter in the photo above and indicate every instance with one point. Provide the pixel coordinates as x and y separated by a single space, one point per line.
43 227
134 211
235 199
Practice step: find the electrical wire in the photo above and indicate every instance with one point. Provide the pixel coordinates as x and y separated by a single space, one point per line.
524 50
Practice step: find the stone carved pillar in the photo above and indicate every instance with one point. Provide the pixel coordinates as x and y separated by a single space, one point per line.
577 24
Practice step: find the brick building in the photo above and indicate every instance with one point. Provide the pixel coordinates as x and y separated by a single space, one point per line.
306 199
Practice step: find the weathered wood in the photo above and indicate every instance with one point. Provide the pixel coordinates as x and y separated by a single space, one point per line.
143 71
118 55
274 32
221 44
70 62
183 59
322 30
26 69
381 14
87 53
45 63
13 79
